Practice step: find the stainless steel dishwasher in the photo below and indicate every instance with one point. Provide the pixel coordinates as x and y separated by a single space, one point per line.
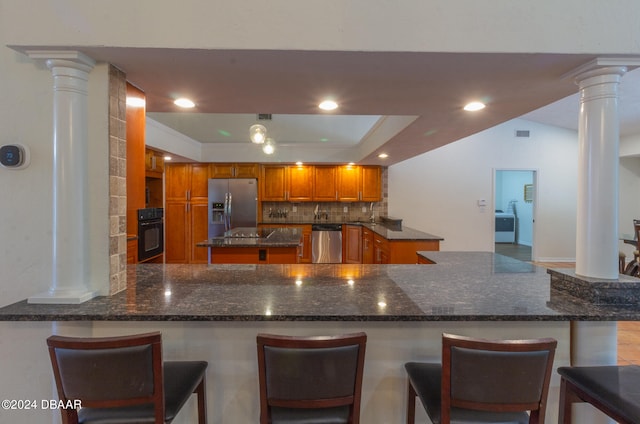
326 243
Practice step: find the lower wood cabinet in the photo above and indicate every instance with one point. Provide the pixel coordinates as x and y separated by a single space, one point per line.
380 249
254 255
185 225
404 251
367 246
352 244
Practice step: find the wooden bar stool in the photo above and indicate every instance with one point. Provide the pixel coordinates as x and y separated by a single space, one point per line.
613 389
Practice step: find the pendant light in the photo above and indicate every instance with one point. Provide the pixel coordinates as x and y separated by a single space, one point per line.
257 133
269 147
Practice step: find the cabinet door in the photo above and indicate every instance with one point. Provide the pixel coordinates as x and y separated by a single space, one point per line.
199 187
274 183
349 183
352 249
305 258
371 184
367 246
246 170
199 232
380 250
325 183
178 182
222 170
300 183
176 233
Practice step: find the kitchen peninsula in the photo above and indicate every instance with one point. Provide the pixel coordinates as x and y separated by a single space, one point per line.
215 311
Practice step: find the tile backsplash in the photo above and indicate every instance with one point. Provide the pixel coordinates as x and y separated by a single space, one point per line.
283 212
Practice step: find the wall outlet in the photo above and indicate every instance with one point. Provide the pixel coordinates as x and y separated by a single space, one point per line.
345 209
294 208
364 209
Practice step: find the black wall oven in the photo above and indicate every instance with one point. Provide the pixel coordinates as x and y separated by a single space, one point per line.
150 233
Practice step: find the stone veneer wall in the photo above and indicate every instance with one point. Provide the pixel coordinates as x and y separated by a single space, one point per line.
335 210
117 180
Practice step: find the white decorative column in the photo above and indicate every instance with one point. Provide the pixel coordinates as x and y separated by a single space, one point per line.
70 274
599 139
595 343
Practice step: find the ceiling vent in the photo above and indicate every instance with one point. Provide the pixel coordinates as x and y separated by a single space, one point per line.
264 117
523 133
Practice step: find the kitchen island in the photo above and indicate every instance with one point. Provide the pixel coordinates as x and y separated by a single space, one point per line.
255 246
214 312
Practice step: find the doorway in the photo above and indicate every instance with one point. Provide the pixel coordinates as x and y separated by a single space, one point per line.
514 207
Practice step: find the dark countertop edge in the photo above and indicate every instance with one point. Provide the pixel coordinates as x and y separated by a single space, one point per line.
308 318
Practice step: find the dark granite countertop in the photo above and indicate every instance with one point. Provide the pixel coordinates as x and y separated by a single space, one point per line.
271 237
461 286
390 232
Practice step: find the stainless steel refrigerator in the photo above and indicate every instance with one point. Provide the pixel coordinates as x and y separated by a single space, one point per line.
233 203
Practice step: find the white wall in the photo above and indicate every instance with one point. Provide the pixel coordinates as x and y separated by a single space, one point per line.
438 191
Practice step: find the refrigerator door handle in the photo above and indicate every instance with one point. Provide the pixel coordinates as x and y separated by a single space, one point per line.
226 212
230 202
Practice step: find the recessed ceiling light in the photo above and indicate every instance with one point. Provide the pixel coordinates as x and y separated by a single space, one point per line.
135 101
183 102
474 106
328 105
383 155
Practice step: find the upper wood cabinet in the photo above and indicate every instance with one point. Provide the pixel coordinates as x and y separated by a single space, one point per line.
325 180
359 183
187 182
320 183
234 170
273 183
300 183
371 183
349 183
153 163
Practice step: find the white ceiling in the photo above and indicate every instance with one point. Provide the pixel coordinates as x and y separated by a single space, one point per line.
230 87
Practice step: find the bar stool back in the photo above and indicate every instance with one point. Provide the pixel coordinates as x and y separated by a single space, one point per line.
123 379
484 381
310 379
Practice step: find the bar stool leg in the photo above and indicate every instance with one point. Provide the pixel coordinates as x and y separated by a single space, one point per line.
411 404
202 402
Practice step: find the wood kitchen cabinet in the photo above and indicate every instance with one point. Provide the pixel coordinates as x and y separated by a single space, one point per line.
359 183
325 180
381 250
234 170
273 183
153 163
367 246
370 183
349 183
300 183
293 183
352 244
404 251
186 216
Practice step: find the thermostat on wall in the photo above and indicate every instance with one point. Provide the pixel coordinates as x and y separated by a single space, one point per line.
14 156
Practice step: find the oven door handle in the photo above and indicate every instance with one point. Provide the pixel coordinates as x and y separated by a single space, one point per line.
147 223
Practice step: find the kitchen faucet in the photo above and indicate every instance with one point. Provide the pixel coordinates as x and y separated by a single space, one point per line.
372 218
